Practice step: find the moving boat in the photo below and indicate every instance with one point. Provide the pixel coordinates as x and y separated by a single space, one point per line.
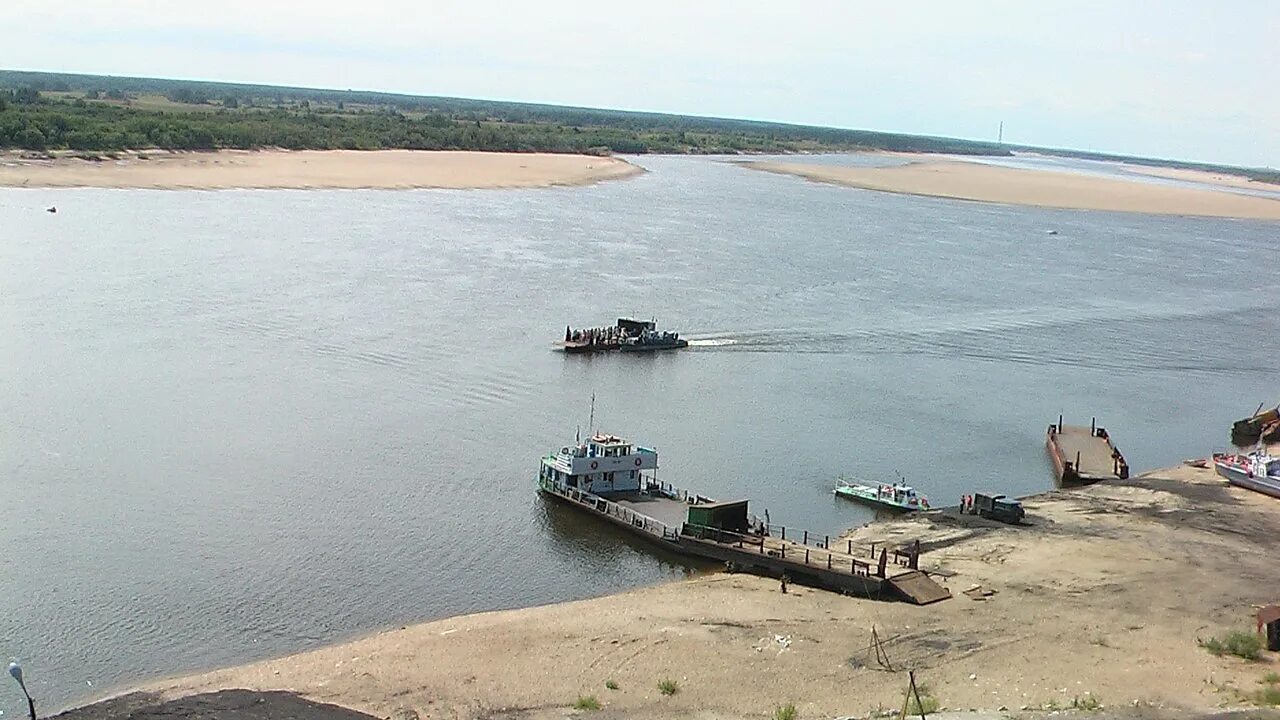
1258 471
626 335
896 497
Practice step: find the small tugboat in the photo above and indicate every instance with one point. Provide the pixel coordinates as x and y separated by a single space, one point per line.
652 341
1258 471
895 497
627 335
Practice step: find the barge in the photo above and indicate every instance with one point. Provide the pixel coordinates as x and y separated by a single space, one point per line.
613 479
1084 455
626 335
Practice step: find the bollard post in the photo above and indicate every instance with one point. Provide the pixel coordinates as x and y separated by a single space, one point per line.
784 532
826 542
806 538
850 550
806 556
828 561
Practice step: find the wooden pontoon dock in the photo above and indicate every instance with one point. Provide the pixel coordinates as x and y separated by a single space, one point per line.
1084 455
699 526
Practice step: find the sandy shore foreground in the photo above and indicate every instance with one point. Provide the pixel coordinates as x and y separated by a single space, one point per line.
305 169
990 183
1101 600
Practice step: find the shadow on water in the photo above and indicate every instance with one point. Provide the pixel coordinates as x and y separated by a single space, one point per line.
598 542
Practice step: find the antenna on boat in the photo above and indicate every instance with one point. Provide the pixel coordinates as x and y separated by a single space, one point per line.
577 436
591 424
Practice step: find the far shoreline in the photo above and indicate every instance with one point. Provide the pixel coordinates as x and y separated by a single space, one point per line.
309 169
957 179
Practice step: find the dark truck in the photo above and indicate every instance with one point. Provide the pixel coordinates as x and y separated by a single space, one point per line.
998 507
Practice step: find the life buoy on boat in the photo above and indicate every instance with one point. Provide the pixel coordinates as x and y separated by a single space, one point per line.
637 462
594 464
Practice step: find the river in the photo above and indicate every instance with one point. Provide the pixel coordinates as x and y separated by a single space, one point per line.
239 424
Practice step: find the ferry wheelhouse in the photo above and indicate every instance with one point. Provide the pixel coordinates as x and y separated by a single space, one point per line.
604 465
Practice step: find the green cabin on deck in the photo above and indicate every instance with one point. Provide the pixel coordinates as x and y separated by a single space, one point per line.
730 516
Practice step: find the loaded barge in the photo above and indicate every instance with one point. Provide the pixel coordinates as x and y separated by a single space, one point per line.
1084 455
626 336
613 479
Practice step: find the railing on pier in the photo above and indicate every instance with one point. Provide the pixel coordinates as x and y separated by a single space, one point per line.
774 547
612 509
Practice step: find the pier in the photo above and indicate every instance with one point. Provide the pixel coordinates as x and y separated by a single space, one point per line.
1084 455
664 515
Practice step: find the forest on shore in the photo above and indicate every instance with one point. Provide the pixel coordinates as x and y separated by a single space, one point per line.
54 111
43 112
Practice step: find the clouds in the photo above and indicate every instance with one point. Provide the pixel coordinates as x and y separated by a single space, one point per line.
1180 78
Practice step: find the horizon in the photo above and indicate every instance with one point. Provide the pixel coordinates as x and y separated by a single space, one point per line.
1185 85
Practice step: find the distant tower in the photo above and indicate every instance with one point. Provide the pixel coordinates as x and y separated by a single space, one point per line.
1000 135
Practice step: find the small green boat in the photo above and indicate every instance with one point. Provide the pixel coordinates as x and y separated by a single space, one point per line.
896 497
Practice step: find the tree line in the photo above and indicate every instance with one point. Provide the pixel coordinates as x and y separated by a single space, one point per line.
31 121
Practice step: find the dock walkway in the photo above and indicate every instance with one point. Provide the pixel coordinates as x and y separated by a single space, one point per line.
804 557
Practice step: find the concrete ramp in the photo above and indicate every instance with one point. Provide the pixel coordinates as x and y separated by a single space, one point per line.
914 586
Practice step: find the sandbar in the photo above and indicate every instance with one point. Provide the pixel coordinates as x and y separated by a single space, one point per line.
1101 599
1204 176
1042 188
312 169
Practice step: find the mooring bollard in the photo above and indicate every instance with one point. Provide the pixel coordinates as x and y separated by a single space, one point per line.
806 538
850 550
806 556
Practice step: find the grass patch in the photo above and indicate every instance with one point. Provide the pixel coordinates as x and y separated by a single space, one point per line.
786 712
1245 645
1088 703
611 685
925 704
669 687
587 702
1269 695
1271 678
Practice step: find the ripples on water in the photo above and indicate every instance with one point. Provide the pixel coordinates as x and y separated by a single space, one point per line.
240 424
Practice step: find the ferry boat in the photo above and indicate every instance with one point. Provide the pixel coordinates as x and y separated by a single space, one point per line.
1258 471
626 335
895 497
614 479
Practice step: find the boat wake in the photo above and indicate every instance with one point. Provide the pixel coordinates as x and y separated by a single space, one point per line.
1110 338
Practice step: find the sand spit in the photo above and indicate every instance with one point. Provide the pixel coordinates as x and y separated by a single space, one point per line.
1044 188
313 169
1204 176
1102 598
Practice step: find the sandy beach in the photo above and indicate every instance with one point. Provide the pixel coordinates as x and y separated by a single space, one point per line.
308 169
989 183
1203 176
1103 598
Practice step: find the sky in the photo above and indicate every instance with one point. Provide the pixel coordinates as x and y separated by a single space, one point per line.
1182 79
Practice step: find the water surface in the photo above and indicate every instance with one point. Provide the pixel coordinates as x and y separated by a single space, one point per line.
241 424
